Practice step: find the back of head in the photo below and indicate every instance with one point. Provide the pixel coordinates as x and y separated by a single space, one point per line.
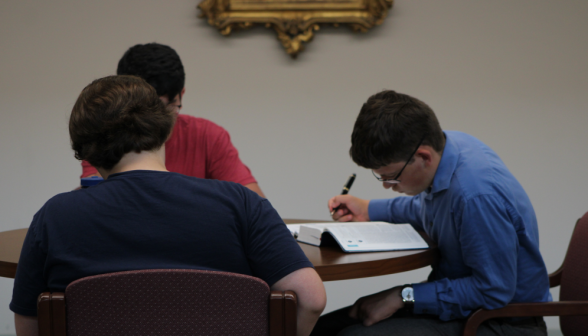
156 63
117 115
390 126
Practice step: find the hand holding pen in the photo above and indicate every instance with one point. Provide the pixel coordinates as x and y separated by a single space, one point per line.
350 208
345 191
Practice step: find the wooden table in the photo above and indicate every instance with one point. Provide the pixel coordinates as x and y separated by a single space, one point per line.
331 263
10 246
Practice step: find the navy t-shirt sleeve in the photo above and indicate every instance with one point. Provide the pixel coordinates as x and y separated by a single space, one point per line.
272 251
29 281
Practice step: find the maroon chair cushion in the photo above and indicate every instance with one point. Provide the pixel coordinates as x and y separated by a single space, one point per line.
574 279
167 302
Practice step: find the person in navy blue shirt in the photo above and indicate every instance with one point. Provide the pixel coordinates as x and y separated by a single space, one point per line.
464 197
144 217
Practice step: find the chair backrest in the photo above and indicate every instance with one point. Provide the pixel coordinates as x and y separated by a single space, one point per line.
169 302
574 278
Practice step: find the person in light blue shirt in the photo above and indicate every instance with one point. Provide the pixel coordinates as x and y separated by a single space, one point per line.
465 198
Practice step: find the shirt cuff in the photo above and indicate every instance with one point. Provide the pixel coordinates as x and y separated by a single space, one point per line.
378 210
425 298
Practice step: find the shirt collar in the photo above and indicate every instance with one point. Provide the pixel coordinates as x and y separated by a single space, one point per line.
446 166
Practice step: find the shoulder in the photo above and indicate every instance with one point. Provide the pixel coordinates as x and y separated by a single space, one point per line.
212 189
215 193
53 210
462 139
66 199
189 122
479 170
231 196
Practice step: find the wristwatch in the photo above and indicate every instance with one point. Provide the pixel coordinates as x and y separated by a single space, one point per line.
407 295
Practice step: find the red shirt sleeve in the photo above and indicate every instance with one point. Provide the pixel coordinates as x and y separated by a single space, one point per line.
87 169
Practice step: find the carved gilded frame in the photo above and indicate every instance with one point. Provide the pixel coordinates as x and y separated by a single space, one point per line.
294 20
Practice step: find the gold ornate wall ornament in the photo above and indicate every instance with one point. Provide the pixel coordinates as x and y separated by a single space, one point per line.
294 20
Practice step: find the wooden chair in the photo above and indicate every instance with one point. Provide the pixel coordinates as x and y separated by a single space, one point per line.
572 276
168 302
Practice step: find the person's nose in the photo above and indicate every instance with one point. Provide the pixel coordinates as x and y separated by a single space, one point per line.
386 185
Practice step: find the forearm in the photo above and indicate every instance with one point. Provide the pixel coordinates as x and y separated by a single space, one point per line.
255 187
312 299
457 298
396 210
306 320
484 272
311 295
26 325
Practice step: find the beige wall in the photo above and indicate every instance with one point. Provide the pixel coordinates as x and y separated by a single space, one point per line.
512 73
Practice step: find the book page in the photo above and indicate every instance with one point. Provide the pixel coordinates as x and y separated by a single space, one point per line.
378 236
294 229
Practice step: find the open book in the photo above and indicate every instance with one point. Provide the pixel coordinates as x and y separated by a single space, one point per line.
360 236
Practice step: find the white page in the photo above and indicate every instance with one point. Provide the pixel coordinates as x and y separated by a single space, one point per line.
378 237
294 229
373 236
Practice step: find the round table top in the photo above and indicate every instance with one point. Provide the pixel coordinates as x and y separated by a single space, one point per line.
331 263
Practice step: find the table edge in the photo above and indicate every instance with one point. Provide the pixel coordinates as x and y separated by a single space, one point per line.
367 269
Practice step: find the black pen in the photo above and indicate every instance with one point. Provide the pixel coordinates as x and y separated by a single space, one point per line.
345 191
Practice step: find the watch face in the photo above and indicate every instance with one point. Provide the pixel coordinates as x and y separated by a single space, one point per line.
407 294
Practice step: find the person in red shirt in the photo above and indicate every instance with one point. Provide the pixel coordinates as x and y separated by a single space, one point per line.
197 147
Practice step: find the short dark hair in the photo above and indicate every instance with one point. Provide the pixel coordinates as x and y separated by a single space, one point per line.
156 63
390 126
117 115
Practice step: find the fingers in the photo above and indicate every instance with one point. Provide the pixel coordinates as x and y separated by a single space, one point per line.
349 208
368 316
338 200
372 316
370 321
345 218
374 308
360 311
332 204
342 211
353 312
338 206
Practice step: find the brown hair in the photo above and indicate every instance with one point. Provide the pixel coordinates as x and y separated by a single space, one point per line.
116 115
390 126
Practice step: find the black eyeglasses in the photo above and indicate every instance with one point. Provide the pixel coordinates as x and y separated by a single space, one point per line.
395 179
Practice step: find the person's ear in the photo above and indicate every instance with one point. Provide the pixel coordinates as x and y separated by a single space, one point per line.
426 155
182 93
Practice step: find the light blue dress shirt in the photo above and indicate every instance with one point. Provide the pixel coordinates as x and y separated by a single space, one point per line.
486 230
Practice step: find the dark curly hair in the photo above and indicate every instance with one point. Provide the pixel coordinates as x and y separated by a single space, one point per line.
156 63
390 126
117 115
